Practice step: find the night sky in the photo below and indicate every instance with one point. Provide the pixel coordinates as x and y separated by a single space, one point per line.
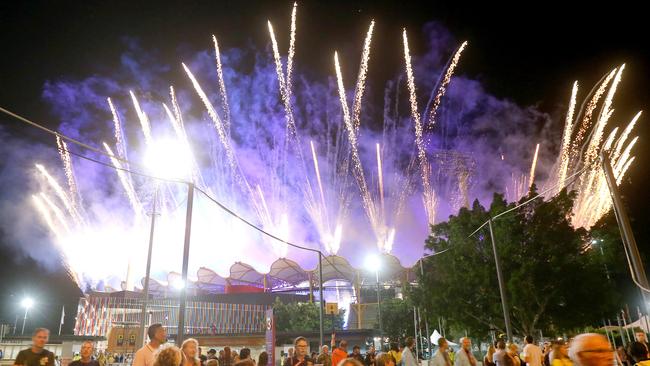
528 55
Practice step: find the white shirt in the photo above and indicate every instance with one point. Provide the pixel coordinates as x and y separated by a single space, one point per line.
145 356
463 360
407 357
533 354
439 359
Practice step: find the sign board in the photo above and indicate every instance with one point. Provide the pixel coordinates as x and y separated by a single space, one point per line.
270 337
332 308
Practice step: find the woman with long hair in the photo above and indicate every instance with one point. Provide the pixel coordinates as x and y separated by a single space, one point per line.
488 360
513 352
227 357
170 356
561 355
190 352
263 359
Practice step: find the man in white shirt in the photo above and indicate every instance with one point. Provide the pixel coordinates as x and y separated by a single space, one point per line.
441 357
464 357
408 359
146 355
532 353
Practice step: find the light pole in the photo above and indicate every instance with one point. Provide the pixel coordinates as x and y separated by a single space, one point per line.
373 263
26 303
602 253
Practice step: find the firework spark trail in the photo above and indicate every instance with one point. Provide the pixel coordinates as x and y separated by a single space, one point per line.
624 156
222 87
623 138
45 213
586 121
427 189
533 167
64 153
566 137
320 183
57 211
352 138
144 120
605 113
60 193
619 179
610 139
292 51
380 178
218 124
443 85
117 128
126 183
361 80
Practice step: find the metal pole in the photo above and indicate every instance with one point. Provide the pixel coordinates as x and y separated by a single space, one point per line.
607 333
426 322
640 278
620 330
415 329
186 256
16 324
145 300
381 329
24 321
609 322
320 291
502 289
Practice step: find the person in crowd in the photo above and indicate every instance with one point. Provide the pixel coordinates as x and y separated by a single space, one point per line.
227 358
639 354
408 356
235 356
395 353
324 358
547 353
441 356
513 352
86 353
591 349
488 360
350 362
369 360
313 355
101 358
384 359
263 359
465 357
622 356
356 354
501 357
532 353
641 337
299 357
189 352
36 355
212 354
560 355
212 362
340 353
146 355
245 358
452 355
169 356
202 358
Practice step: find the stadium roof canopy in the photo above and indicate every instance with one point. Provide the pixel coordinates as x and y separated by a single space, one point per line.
286 274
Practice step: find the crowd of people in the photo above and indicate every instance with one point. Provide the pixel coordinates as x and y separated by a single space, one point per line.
588 349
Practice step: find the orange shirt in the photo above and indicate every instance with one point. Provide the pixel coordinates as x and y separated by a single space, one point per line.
338 355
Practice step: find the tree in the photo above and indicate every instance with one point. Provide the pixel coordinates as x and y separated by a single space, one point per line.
552 281
302 316
397 318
